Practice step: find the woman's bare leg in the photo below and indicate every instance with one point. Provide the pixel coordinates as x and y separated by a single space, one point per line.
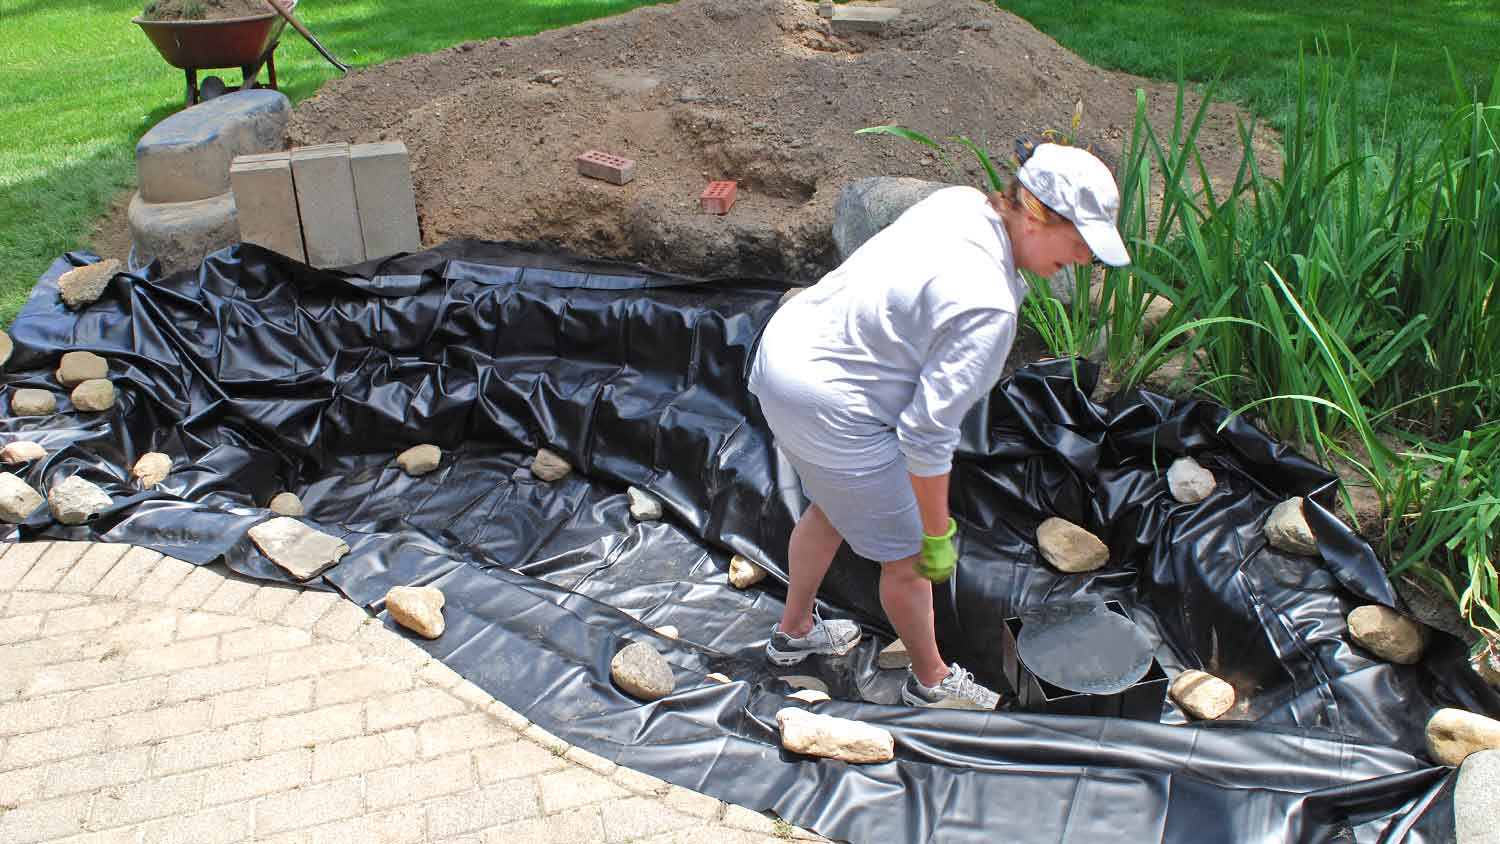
907 599
814 542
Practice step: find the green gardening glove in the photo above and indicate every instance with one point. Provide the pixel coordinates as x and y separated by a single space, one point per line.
938 557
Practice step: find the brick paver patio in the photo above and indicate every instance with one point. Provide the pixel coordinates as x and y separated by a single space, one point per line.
144 699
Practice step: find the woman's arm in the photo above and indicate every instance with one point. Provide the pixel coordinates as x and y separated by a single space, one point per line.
932 502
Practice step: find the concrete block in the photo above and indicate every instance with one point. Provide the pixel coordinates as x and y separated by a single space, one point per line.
847 19
825 8
266 204
602 165
718 197
180 234
387 203
325 203
186 157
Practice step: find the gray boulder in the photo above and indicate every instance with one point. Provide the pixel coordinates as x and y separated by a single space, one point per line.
869 205
75 501
30 402
298 549
84 285
549 466
640 671
1188 481
78 367
1476 799
151 469
17 499
93 395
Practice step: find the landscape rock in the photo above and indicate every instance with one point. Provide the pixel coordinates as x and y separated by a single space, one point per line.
717 677
667 630
894 655
151 469
1069 547
75 500
22 451
78 367
298 549
84 285
287 504
549 466
789 296
31 402
1157 309
1287 529
419 459
809 696
743 574
805 681
1188 481
1202 695
644 506
1487 666
417 608
1476 799
93 395
6 347
639 670
17 499
868 205
1454 734
814 734
1387 634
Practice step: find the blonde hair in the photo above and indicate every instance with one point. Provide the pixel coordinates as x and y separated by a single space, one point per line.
1016 199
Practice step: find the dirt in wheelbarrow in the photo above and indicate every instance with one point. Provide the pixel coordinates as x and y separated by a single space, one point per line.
195 10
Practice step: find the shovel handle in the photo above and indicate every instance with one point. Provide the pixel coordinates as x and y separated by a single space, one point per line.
297 25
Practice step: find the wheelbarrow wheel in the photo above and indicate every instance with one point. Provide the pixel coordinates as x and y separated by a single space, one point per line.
212 86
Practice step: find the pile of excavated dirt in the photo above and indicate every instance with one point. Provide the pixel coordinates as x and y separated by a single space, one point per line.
175 10
758 91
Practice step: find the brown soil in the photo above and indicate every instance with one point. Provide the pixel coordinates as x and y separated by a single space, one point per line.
175 10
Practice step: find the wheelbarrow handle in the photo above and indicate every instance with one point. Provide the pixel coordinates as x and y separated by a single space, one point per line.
297 25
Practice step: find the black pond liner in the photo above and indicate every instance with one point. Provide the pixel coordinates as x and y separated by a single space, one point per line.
258 374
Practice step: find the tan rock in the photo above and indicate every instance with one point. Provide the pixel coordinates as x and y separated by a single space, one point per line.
6 347
417 608
743 574
78 367
1189 482
1487 666
420 459
814 734
287 504
1157 309
151 469
639 670
75 500
298 549
809 696
17 499
667 630
22 451
1287 529
1069 547
32 402
549 466
805 681
84 285
1387 634
644 507
1202 695
716 676
1453 734
893 655
93 395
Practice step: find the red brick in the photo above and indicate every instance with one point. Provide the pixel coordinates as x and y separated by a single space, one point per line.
718 197
602 165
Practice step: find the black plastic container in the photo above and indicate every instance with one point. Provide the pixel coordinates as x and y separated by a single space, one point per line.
1142 701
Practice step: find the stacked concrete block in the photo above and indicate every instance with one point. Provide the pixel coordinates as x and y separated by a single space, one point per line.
387 204
851 19
326 205
184 209
266 203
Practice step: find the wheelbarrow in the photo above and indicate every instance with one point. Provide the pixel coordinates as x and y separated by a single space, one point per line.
247 43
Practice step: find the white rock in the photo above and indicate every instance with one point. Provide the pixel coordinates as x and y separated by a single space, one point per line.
643 505
17 499
717 677
1188 481
1202 695
1287 529
151 469
1476 799
667 630
298 549
639 670
22 451
893 655
419 459
32 402
417 608
809 696
78 367
804 681
1387 634
1069 547
75 500
287 504
93 395
84 285
1453 734
743 574
814 734
6 347
549 466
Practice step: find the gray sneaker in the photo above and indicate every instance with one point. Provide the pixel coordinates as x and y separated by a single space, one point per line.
831 638
957 691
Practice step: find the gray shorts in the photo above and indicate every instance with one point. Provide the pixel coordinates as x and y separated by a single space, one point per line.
875 510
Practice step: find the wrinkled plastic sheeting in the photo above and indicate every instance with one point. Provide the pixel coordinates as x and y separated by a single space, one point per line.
258 375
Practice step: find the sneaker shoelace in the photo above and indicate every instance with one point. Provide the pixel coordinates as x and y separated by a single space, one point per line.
961 682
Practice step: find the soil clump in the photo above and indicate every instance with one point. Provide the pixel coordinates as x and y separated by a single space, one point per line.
197 10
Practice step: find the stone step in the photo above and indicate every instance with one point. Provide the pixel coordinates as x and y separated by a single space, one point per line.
847 19
266 203
387 204
325 202
180 234
186 157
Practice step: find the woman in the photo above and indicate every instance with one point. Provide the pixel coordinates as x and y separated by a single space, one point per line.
865 377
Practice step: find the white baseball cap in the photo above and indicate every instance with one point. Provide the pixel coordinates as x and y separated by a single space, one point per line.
1077 185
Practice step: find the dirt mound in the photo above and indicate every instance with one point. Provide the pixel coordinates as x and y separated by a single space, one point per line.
193 10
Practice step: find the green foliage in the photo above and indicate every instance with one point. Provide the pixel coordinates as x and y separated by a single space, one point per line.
193 11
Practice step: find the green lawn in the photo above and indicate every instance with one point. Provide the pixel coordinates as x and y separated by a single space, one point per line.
79 85
1255 42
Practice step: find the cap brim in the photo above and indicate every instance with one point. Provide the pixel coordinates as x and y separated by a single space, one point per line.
1104 241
